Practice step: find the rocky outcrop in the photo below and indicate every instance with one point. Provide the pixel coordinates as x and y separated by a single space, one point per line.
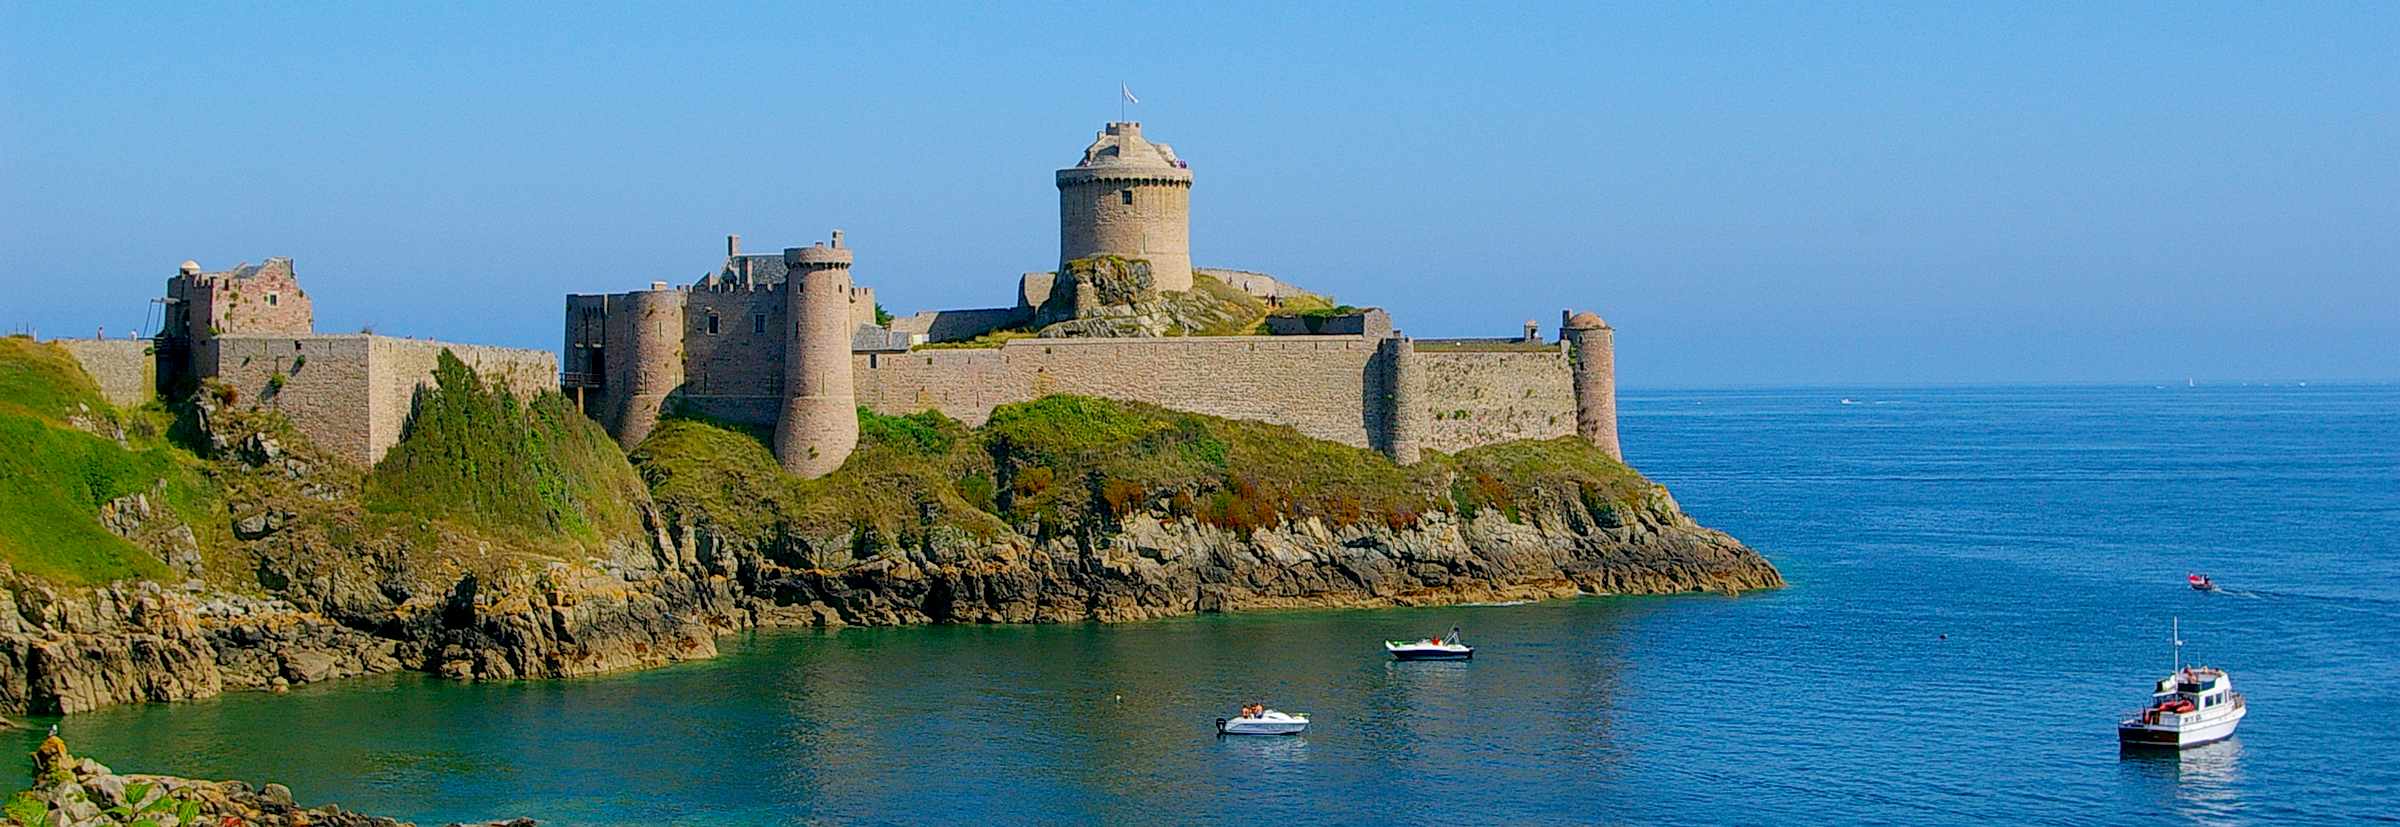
72 792
345 612
1110 297
1151 566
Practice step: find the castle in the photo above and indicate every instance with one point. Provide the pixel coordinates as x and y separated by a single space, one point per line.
790 343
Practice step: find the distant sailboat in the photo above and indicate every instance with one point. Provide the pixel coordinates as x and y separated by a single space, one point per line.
2187 382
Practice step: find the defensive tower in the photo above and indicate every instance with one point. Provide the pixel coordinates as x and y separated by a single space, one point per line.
1403 399
1594 348
818 425
1128 197
644 343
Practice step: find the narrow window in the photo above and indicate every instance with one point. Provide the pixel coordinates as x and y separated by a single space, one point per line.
712 324
271 299
758 324
1124 196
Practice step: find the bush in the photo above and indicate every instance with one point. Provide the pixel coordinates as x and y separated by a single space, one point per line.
474 452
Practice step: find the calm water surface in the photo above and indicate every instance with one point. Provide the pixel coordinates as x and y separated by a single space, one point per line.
2044 531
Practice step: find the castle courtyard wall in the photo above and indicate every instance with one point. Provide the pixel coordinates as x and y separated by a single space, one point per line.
124 368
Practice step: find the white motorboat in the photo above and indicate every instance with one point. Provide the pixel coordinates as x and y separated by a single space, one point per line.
1267 722
2192 705
1443 648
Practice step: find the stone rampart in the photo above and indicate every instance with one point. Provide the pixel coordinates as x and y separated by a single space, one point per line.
352 393
324 387
1478 398
124 368
1328 387
1317 384
961 325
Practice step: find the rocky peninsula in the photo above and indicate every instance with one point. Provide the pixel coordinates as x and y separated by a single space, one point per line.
177 552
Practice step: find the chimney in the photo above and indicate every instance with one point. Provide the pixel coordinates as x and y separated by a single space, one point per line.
733 246
837 239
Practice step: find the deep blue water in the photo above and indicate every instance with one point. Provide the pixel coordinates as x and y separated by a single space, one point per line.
2045 531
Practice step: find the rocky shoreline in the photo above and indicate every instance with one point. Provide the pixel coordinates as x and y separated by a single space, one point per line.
350 612
72 792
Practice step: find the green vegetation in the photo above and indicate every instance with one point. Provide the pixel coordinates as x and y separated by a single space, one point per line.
1484 346
995 338
54 476
1063 464
911 479
476 454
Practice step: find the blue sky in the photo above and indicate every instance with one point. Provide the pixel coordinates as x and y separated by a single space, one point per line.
1750 193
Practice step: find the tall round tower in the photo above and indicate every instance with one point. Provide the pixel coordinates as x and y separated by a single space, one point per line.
1593 347
1404 400
643 338
1132 198
819 423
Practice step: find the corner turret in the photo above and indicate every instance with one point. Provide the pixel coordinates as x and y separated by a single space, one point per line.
1131 198
1593 347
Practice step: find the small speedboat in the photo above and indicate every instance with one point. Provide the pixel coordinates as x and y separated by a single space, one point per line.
1446 647
2200 582
1264 722
2192 705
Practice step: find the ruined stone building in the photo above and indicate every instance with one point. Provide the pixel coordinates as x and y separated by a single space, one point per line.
790 343
253 330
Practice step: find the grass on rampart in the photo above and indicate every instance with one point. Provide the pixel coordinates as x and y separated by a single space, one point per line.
1064 463
475 453
1485 346
55 477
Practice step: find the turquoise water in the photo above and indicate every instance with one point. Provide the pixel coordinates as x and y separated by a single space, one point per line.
1982 581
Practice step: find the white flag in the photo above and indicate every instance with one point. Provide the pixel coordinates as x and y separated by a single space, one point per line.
1128 91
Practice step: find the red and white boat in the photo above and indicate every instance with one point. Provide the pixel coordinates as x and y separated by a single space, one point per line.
2192 705
2200 582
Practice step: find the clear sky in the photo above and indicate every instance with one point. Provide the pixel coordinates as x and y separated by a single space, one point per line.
1750 193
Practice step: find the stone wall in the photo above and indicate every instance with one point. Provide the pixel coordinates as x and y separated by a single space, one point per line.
398 368
1328 387
124 368
743 357
352 393
328 396
1475 398
961 325
1317 384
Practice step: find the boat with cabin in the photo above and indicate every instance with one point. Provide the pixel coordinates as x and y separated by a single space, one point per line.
2192 705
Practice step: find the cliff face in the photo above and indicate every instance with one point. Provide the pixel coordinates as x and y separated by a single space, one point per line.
285 567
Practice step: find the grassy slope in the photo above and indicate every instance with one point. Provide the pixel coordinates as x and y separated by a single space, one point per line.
1064 462
535 469
54 478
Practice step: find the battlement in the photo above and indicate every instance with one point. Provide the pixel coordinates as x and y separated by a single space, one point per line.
818 255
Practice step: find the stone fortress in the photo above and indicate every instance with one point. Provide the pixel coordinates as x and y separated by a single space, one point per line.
791 343
252 330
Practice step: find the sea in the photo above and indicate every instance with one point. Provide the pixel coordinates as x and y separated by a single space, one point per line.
1983 580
